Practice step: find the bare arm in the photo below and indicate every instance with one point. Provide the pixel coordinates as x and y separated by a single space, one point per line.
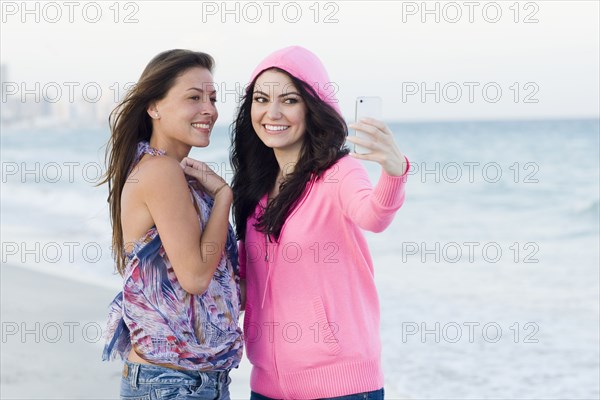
194 254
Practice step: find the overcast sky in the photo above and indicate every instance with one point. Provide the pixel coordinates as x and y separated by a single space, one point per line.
548 68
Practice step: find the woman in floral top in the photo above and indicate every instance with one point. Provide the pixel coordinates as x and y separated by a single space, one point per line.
176 321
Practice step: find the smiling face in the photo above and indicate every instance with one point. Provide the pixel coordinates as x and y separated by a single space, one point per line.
278 114
187 114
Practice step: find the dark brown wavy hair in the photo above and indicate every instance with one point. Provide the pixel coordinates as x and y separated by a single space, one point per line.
255 167
130 123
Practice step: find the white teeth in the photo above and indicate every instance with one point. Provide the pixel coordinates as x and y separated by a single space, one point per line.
201 126
276 127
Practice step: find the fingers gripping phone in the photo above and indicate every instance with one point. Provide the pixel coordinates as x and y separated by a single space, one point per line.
366 107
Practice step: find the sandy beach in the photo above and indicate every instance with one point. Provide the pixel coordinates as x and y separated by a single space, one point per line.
52 340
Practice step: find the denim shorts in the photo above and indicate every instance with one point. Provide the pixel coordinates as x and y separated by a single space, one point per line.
374 395
152 382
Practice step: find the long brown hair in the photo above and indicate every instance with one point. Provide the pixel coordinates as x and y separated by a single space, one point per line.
255 166
130 123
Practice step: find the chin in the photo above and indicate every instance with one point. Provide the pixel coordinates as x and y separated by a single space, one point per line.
199 143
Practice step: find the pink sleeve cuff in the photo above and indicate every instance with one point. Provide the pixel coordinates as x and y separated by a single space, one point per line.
390 189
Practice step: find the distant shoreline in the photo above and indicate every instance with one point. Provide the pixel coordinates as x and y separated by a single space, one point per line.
26 125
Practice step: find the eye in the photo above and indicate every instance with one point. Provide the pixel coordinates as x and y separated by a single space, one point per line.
291 100
260 99
213 100
195 98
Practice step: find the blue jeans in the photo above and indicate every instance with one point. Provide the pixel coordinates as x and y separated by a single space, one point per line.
151 382
374 395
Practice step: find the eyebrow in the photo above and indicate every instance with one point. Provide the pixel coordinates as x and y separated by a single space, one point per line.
281 95
200 90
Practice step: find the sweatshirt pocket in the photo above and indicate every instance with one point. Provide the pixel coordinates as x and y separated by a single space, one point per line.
327 329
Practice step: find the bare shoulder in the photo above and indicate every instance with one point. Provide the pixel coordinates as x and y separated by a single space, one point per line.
154 188
157 171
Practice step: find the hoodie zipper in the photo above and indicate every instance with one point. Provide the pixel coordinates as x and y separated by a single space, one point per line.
268 261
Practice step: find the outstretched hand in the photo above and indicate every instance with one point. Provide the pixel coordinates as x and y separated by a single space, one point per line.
381 146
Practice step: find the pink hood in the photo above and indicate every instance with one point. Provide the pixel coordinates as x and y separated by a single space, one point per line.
304 65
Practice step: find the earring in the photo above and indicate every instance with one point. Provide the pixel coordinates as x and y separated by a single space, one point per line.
156 114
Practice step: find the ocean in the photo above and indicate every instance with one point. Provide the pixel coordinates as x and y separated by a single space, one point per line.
488 277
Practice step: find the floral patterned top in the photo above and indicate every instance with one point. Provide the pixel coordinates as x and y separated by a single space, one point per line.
163 323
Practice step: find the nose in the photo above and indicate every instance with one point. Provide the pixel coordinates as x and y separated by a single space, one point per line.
273 111
208 108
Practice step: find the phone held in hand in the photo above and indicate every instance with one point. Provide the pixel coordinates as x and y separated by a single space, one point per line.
366 107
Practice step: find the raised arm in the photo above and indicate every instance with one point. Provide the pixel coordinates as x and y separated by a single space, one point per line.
373 208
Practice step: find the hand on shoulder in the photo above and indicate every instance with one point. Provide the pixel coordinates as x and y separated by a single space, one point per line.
212 183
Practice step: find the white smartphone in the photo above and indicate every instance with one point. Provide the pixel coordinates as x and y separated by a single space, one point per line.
366 107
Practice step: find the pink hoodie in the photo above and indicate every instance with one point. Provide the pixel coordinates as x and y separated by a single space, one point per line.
312 313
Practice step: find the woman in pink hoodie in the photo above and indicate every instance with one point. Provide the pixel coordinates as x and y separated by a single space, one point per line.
300 202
